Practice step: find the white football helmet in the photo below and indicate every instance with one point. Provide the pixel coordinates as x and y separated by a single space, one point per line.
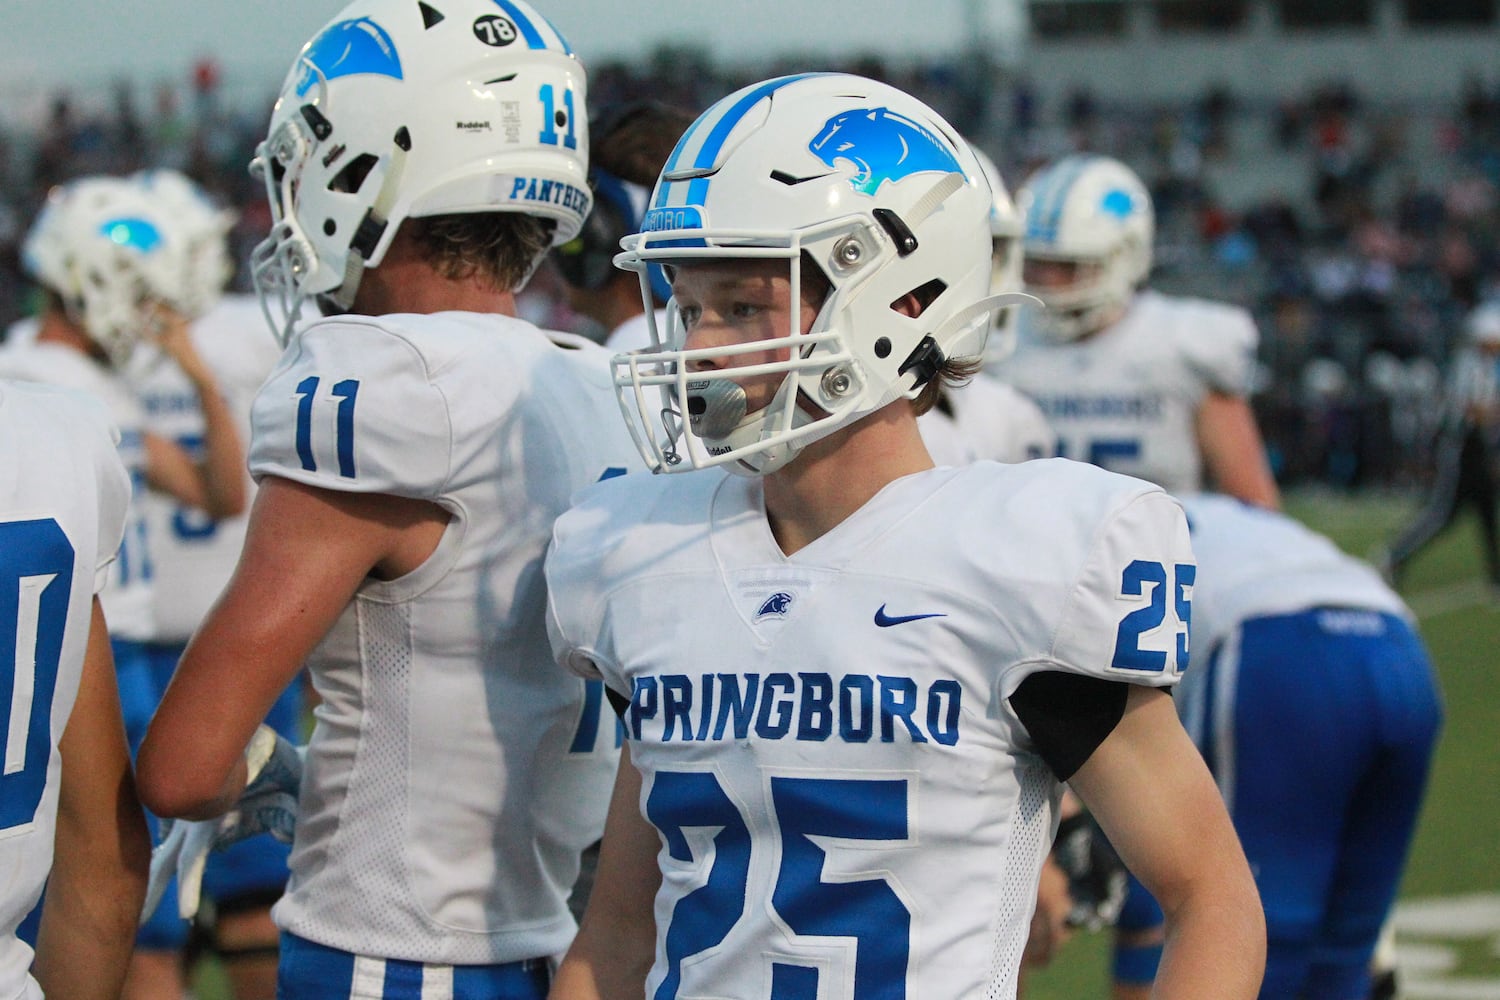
1005 258
1482 326
203 227
1092 212
401 109
108 252
864 182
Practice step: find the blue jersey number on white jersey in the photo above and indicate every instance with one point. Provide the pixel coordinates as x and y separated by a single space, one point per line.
806 810
346 392
36 577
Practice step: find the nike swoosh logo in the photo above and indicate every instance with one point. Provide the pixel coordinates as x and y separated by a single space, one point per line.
886 621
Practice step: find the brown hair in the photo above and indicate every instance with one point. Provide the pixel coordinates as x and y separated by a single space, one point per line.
499 248
953 373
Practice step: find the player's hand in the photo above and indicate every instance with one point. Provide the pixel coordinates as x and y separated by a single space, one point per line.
169 330
1096 876
267 805
1049 924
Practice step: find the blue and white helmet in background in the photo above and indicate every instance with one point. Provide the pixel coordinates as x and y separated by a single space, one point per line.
1092 211
203 227
865 183
1005 258
401 108
108 251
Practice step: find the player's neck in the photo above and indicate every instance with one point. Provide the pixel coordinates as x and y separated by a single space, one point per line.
407 286
55 328
837 475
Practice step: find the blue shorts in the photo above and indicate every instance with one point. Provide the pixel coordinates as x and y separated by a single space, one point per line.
1319 727
252 870
309 971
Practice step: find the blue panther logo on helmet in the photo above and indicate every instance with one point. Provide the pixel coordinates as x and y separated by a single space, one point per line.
348 48
778 603
883 146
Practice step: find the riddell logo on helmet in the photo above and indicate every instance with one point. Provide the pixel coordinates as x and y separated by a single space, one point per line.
473 126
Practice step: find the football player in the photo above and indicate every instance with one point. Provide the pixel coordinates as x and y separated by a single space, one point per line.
69 816
629 146
1132 380
1324 786
114 260
985 417
845 740
193 555
411 456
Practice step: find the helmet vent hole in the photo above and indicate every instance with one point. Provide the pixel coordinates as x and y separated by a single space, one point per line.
430 15
352 177
329 227
883 347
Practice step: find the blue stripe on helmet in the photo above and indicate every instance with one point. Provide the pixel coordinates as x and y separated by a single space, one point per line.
1048 207
708 153
528 30
137 233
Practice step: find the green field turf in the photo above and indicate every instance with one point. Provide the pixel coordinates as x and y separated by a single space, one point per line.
1455 854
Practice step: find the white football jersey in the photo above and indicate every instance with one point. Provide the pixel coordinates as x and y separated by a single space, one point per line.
1255 563
454 774
1127 397
843 791
635 333
63 504
127 596
988 419
192 554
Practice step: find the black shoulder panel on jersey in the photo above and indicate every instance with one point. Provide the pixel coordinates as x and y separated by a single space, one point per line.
1068 715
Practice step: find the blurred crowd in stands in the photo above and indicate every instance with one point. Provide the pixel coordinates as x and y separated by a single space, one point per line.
1359 234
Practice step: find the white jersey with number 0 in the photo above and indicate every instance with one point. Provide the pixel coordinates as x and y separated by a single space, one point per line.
63 504
454 774
192 554
1127 397
127 596
847 802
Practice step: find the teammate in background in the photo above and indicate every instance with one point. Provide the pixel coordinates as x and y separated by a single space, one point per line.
1314 702
1132 380
69 817
412 454
984 417
112 259
193 556
829 254
1465 474
630 144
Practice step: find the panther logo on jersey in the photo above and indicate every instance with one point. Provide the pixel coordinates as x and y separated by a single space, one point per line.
778 604
348 48
883 146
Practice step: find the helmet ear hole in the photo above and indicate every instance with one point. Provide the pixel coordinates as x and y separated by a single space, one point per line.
352 177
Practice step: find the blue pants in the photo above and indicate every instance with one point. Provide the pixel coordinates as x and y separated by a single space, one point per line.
1319 727
255 868
311 971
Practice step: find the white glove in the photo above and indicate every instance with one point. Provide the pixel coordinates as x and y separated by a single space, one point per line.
267 805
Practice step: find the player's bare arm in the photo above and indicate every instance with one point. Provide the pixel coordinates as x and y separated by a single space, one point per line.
215 485
1155 799
1234 456
102 848
616 943
306 553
